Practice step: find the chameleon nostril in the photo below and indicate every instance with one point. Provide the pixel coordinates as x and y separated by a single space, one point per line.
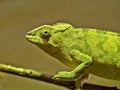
30 34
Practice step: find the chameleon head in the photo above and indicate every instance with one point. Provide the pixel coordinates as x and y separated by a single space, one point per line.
41 35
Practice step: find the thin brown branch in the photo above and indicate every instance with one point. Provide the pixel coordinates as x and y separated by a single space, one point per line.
68 83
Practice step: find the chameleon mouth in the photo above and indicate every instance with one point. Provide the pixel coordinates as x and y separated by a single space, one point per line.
34 39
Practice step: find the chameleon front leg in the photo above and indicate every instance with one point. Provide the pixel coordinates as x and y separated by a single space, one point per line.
84 60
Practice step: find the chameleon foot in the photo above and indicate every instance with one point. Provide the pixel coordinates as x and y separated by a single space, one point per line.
64 74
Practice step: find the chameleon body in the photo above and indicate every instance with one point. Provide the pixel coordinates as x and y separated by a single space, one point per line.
80 48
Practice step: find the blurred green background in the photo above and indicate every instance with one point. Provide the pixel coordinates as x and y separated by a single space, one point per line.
19 16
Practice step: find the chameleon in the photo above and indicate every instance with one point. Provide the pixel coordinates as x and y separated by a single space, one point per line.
83 49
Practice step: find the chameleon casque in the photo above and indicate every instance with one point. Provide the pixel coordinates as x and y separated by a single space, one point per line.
83 49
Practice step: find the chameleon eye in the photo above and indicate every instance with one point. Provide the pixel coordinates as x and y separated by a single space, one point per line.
45 34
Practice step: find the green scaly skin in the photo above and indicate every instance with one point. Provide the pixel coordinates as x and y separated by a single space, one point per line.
80 48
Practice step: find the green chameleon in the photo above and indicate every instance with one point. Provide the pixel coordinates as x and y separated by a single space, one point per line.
83 49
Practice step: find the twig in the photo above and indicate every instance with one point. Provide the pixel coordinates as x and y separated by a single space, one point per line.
68 83
29 73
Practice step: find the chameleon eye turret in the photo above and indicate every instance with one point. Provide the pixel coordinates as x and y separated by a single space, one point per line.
45 34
